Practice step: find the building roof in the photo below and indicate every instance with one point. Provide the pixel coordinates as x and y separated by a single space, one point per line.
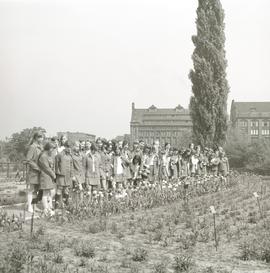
153 113
244 107
250 110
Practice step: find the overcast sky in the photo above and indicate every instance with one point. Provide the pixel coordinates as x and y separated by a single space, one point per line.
78 65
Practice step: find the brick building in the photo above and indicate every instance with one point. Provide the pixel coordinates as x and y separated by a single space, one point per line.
166 125
251 118
76 136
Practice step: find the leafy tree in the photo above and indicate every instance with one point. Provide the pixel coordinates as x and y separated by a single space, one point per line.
246 154
208 105
16 147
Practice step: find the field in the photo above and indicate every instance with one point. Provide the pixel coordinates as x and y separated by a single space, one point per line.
175 236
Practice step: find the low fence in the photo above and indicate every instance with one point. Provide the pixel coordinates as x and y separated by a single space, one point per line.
13 170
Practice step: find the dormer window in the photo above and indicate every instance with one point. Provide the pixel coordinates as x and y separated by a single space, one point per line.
179 108
152 108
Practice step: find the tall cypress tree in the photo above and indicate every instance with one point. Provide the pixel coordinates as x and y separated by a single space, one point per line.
208 105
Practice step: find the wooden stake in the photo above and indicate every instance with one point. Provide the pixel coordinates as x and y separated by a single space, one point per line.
32 221
259 204
213 211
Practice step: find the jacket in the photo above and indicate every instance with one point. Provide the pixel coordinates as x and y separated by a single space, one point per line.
47 174
32 162
64 169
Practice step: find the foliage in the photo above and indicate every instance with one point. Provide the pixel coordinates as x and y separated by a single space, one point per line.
15 258
139 255
256 247
208 105
182 263
250 155
17 145
84 249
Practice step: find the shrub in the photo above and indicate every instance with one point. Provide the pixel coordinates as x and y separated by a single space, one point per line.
160 268
182 263
84 249
256 247
58 258
139 255
15 258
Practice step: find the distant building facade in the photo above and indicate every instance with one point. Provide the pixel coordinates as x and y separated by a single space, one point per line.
251 118
76 136
166 125
123 137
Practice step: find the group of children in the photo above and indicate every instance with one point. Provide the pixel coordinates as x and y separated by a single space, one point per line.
59 166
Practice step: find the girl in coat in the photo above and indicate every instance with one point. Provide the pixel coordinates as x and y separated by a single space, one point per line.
146 162
61 147
118 169
64 174
223 167
136 170
214 162
47 177
174 165
92 169
154 164
78 172
126 158
101 152
33 171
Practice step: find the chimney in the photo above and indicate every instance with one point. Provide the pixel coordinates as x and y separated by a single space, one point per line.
133 105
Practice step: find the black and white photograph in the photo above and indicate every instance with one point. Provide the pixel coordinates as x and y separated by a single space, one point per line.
134 136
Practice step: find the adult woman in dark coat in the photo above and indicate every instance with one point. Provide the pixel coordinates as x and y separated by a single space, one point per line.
47 176
33 170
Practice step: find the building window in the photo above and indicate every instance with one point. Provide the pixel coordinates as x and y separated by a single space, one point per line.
254 123
266 132
254 132
243 123
265 123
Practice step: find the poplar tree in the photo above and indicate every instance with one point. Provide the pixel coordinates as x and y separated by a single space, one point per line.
208 104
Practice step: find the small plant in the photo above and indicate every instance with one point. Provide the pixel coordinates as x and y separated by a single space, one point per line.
84 249
139 255
114 228
15 258
94 227
160 268
120 235
157 235
58 258
182 263
82 262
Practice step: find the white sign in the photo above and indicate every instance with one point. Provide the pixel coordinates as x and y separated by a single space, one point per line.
256 195
212 209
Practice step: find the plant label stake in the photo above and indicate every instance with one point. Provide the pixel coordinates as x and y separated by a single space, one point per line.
213 211
32 220
258 202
